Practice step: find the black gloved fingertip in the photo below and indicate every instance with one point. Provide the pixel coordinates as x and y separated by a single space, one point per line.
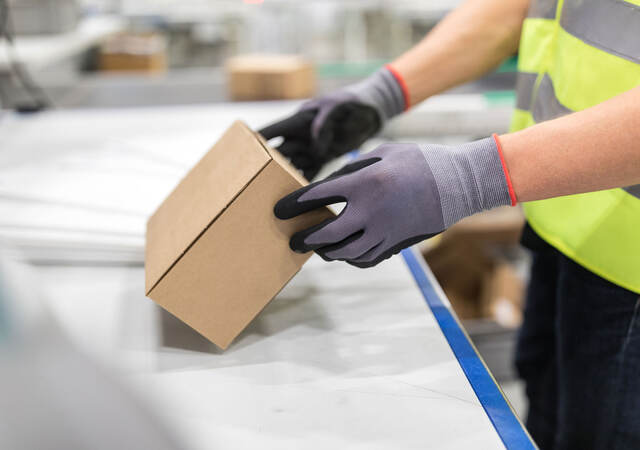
323 256
360 265
277 211
297 244
285 209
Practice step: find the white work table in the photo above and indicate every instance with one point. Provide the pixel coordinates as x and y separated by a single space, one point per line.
342 358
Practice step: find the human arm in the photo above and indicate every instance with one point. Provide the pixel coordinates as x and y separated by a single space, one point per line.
401 194
473 39
590 150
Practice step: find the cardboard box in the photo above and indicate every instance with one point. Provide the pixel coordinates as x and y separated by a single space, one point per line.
134 53
503 295
479 284
460 268
215 253
270 77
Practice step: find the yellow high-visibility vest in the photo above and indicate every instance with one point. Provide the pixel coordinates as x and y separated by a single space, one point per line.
573 55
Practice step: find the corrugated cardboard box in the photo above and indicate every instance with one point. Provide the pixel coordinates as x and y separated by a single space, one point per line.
459 267
216 254
479 283
270 77
130 52
503 295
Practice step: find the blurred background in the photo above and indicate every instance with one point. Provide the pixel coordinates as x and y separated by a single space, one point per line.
106 104
117 53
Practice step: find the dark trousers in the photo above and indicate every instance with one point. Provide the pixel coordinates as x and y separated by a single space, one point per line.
579 355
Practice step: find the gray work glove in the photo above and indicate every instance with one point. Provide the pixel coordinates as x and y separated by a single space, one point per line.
332 125
396 196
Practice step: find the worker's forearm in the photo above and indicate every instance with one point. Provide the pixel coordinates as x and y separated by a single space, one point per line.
591 150
469 42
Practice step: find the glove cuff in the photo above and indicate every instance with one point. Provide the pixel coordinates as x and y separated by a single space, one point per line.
384 91
470 178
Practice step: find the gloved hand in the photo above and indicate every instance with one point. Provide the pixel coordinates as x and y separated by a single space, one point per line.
398 195
329 126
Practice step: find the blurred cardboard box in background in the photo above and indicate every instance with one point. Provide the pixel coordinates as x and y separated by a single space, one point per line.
134 52
216 254
469 262
502 297
270 77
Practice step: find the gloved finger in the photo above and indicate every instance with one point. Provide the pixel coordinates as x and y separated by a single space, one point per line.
297 243
352 124
333 189
292 147
354 237
318 122
328 232
366 265
345 128
372 257
303 162
326 128
289 207
310 171
381 252
298 124
301 155
323 146
357 164
346 224
349 248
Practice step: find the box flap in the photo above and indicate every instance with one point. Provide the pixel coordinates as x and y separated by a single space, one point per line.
180 220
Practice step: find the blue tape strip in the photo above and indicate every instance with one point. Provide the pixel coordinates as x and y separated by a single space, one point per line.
505 422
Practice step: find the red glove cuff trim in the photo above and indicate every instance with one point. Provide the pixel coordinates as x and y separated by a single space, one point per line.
512 193
403 86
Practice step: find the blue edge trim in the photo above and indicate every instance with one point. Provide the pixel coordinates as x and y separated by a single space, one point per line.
502 417
504 421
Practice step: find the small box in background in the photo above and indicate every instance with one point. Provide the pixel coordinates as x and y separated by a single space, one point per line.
482 270
503 295
129 52
270 77
216 254
473 263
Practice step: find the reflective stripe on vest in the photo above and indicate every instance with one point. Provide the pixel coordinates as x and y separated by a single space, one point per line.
610 25
545 9
546 105
573 55
633 190
524 89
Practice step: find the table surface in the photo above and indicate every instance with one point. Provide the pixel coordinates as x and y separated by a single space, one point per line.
345 357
